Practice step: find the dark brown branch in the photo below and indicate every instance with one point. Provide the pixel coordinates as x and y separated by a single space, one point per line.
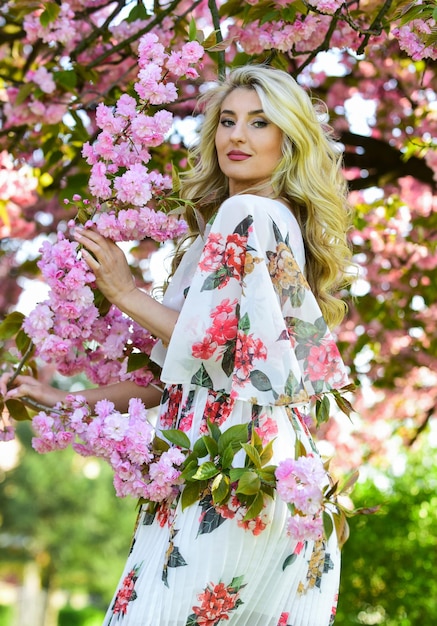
383 162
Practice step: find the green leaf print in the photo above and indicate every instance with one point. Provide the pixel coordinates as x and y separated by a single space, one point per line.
228 360
292 385
210 519
277 233
215 279
236 584
192 620
297 295
244 324
202 378
243 227
175 558
260 380
289 560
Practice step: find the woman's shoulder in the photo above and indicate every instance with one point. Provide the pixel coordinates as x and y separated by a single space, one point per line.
260 208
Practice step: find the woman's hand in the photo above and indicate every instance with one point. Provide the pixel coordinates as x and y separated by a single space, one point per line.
108 264
114 279
29 387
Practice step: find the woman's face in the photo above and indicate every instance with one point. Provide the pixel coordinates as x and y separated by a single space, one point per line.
248 145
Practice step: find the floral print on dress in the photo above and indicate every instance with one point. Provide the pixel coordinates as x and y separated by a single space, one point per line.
216 603
126 593
250 326
250 341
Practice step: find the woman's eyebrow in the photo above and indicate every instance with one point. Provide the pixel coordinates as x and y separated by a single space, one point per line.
229 112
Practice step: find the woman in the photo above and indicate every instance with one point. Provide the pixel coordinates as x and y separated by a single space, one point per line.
244 340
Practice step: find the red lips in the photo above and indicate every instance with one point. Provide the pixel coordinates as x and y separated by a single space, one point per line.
237 155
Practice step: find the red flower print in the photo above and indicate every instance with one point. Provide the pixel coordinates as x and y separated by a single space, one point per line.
256 525
164 514
126 593
323 362
235 253
204 349
212 256
283 620
170 410
224 328
216 602
267 429
247 350
217 410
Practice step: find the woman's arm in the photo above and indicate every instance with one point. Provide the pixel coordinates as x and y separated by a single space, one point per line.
114 279
118 393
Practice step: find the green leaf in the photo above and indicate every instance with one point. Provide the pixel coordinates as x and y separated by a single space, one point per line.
139 12
177 437
191 493
252 454
255 508
159 445
136 361
249 483
24 92
323 408
299 449
328 525
220 488
192 30
66 79
190 468
206 471
233 436
200 449
214 430
11 325
211 445
341 528
227 457
17 410
236 473
267 453
267 474
49 14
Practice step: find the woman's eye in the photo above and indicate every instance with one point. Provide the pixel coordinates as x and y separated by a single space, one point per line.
260 123
227 122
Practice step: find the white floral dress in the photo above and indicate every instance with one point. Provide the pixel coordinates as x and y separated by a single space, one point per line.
250 346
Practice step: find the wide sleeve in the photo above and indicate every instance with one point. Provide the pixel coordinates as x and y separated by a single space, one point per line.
250 325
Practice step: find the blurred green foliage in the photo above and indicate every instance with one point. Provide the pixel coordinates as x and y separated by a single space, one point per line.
390 560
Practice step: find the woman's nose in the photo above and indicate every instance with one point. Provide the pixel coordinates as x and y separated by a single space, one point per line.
238 132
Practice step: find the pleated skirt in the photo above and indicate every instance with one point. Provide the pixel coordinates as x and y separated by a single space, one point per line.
206 566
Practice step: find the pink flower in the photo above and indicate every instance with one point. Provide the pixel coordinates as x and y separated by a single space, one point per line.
305 528
43 79
133 187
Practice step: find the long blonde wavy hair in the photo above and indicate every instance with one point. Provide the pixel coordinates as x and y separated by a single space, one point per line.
308 176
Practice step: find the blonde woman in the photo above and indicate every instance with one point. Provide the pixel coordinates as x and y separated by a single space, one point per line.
245 339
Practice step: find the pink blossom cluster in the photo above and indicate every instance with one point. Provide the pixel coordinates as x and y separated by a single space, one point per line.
67 329
125 441
412 39
17 190
299 484
119 175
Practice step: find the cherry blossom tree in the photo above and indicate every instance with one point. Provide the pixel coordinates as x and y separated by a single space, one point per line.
91 99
